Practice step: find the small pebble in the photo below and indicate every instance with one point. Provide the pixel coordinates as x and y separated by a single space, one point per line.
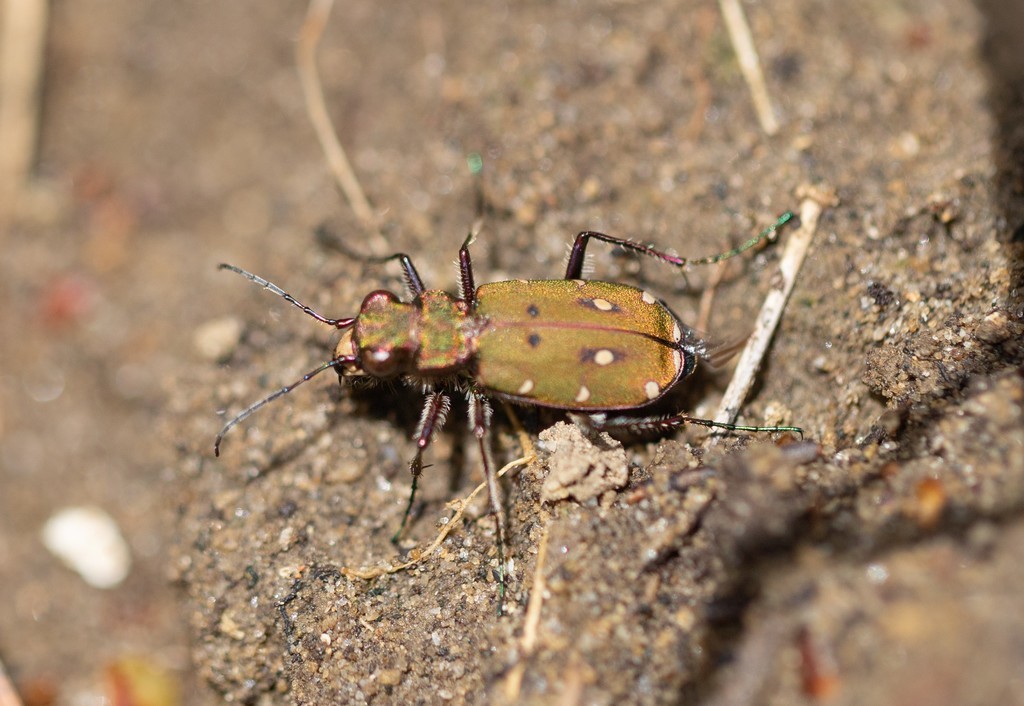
215 340
89 542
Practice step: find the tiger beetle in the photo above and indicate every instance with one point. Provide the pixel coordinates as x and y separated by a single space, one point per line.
602 351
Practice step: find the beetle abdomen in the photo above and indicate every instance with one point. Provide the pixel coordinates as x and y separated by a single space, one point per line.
577 344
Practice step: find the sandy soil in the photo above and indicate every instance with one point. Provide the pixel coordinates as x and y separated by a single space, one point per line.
876 563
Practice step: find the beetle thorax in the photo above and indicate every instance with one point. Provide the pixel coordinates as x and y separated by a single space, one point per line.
430 336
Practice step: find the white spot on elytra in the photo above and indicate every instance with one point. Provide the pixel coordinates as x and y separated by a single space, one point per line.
651 389
583 395
526 388
677 360
602 304
677 334
648 298
604 357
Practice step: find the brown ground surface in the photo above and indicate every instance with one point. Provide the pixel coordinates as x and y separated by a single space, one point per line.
885 568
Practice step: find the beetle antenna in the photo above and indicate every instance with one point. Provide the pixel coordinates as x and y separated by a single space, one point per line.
247 412
766 234
340 324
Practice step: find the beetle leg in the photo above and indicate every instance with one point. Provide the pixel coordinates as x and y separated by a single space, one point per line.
412 278
480 424
574 269
435 412
670 422
409 273
467 285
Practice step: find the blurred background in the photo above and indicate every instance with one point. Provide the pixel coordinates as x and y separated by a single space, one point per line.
146 142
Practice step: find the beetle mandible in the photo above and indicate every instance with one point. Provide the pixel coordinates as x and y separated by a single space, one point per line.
585 346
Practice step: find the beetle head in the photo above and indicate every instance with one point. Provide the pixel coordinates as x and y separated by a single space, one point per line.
384 335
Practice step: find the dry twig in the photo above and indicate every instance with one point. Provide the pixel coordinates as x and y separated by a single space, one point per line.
750 64
312 88
459 506
707 296
814 200
22 47
514 681
8 696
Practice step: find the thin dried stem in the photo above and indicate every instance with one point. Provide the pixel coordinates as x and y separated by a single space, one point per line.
22 48
814 201
707 296
8 696
312 88
531 625
750 64
459 506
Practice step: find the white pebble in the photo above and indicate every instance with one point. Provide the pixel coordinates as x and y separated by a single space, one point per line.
215 340
89 542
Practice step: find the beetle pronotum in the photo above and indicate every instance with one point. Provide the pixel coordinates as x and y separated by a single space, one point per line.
585 346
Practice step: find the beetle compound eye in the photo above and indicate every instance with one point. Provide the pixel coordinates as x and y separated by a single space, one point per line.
379 300
380 362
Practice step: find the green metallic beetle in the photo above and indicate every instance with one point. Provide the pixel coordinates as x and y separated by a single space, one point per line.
584 346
